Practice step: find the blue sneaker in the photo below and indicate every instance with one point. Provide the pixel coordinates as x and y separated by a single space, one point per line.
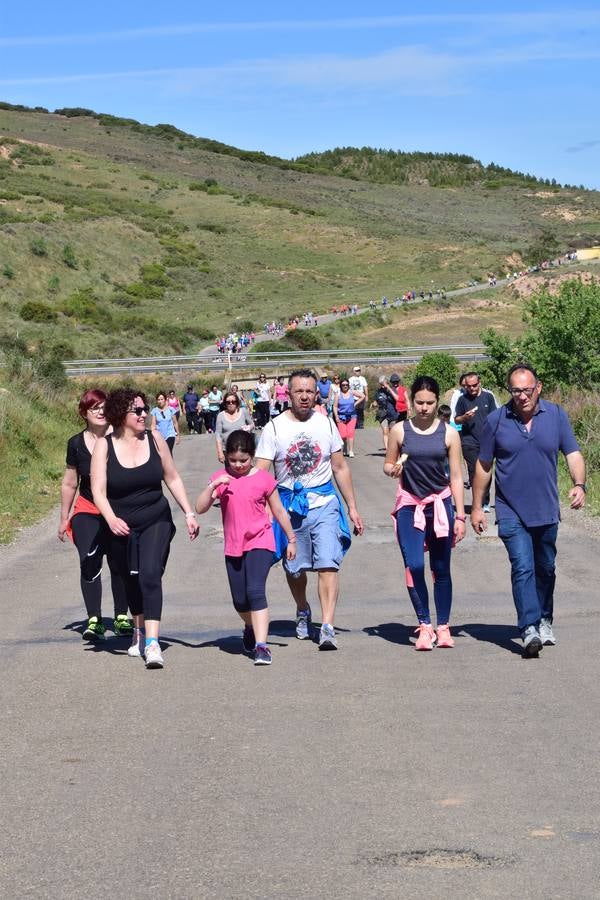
262 656
303 624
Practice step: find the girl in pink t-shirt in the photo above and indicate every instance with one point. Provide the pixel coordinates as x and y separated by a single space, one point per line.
244 493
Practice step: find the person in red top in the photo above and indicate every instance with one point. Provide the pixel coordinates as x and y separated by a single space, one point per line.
244 492
402 400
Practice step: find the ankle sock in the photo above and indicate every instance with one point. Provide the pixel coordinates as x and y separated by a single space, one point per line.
151 641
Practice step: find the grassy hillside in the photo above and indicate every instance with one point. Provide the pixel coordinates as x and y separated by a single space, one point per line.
118 238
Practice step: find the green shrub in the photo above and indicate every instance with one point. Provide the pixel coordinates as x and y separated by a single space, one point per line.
37 311
441 366
38 247
68 257
8 272
83 306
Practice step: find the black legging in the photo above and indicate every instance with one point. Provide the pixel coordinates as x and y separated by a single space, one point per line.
247 576
91 536
262 412
144 590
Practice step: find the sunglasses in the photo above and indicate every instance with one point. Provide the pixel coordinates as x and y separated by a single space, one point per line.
139 410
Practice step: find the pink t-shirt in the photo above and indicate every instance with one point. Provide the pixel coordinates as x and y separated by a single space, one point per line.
245 522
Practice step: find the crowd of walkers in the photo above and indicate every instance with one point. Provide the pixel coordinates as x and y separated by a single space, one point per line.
305 512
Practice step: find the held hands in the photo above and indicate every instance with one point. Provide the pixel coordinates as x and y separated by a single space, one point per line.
222 479
192 526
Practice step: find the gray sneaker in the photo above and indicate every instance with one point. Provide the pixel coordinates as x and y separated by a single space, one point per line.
262 656
532 643
153 656
547 635
327 639
303 625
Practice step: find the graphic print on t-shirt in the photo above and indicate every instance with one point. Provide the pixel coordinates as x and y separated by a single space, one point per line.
303 456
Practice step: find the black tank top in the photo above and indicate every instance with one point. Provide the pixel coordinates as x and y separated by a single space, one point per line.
425 471
136 494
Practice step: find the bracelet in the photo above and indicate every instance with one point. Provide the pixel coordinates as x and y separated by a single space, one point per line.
292 540
582 486
461 518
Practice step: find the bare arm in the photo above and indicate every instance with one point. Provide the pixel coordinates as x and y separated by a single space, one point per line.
207 497
153 425
392 465
481 481
68 489
279 513
456 481
576 464
98 478
172 479
343 478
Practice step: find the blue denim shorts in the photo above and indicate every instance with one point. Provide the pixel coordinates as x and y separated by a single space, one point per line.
318 540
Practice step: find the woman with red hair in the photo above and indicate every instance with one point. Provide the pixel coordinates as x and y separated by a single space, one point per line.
84 525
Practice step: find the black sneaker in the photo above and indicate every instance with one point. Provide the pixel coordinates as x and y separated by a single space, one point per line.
248 640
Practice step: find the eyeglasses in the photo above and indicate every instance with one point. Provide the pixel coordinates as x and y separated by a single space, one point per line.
471 384
96 410
139 410
516 392
231 403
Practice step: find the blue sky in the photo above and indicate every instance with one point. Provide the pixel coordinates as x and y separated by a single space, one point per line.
514 83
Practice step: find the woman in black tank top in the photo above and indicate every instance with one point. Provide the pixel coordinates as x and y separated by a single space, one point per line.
424 453
128 468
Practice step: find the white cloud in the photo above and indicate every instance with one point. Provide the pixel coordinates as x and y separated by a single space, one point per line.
556 22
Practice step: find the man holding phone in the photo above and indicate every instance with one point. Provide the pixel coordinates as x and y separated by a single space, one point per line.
524 437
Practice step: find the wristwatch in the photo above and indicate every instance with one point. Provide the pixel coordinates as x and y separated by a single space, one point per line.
582 486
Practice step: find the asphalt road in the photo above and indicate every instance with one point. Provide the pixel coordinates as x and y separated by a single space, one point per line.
375 771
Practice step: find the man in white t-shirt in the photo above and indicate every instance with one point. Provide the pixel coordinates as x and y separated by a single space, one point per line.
305 449
358 382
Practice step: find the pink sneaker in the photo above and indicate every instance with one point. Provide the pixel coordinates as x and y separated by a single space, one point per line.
444 638
426 638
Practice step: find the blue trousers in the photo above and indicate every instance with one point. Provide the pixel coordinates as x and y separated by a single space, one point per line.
532 554
412 545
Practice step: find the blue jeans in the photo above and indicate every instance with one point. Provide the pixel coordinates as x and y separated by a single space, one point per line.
532 552
412 545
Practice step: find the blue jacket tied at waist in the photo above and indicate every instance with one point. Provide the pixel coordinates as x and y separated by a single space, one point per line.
295 501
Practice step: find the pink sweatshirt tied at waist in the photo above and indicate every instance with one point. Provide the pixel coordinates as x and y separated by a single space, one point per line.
441 525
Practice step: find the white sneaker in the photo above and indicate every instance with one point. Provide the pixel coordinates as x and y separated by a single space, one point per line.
351 454
137 644
547 635
153 655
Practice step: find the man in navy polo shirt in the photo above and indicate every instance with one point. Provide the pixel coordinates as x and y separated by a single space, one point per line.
524 437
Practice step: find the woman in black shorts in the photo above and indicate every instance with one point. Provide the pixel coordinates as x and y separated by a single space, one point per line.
84 525
128 468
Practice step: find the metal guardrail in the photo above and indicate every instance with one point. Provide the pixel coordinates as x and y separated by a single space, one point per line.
181 364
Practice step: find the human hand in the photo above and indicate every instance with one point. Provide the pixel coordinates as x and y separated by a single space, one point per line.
118 526
62 529
222 479
192 527
577 495
460 529
478 521
290 551
397 467
356 520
